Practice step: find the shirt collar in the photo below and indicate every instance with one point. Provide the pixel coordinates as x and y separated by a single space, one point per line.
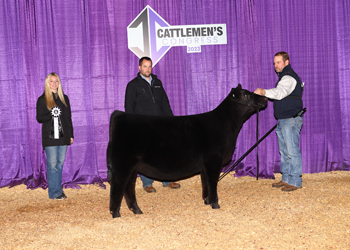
150 80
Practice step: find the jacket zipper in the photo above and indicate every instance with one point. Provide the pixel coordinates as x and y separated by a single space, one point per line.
150 89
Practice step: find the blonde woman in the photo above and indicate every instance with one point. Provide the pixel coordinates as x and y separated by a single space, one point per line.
54 112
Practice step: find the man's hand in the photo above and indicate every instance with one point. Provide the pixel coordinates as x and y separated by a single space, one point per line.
260 91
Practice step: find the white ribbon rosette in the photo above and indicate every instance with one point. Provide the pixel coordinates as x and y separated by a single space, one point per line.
56 126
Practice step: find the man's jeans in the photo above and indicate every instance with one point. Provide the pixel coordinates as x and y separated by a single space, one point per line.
148 182
288 133
55 157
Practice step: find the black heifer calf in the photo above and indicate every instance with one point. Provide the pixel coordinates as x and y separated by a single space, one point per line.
175 147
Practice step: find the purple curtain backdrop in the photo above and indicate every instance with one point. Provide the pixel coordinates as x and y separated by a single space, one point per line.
85 42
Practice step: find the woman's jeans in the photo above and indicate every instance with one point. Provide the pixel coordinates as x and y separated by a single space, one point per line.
288 133
55 157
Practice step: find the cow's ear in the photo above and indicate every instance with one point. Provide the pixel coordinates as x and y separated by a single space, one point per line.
235 92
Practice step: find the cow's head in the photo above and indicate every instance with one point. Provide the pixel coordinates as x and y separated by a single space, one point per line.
249 99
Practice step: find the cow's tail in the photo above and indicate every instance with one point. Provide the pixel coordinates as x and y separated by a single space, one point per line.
112 122
109 147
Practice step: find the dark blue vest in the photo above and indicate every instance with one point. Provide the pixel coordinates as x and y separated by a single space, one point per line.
292 104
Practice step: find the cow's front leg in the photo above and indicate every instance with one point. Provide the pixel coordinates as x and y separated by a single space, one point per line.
212 173
204 188
213 196
130 196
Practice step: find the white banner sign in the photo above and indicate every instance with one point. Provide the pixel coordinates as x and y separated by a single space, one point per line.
150 35
191 35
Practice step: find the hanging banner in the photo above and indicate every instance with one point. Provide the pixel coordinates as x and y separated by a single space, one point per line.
150 35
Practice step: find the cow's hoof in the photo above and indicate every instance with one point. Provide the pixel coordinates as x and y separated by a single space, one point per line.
206 201
137 211
215 206
115 214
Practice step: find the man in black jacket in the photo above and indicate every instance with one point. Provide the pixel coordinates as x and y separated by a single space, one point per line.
145 95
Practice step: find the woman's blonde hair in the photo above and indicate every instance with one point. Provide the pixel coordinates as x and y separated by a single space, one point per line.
50 102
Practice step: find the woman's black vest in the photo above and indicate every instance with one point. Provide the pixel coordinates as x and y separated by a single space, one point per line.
289 106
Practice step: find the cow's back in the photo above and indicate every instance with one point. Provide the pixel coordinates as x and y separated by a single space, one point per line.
167 147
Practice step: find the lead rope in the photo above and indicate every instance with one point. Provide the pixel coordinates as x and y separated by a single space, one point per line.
257 142
235 164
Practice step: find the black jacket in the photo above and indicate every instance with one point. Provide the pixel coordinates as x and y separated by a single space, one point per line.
292 104
146 99
43 115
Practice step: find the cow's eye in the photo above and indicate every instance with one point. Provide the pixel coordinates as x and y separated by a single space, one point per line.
245 95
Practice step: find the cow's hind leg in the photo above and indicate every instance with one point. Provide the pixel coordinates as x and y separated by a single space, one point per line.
116 196
109 163
129 194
